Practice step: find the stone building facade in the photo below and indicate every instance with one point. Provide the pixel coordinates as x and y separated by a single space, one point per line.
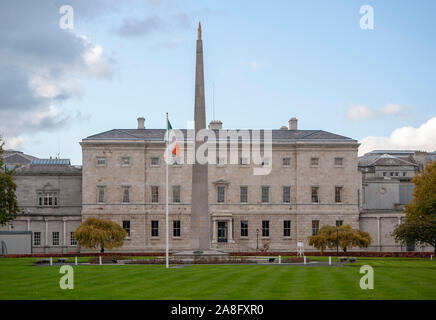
49 192
386 189
124 181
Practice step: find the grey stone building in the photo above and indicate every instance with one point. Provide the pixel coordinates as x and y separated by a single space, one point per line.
49 192
386 189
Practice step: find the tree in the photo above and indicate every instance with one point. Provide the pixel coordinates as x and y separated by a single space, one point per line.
8 199
343 236
420 222
93 233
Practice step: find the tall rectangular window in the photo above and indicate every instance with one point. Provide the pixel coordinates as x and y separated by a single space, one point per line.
176 194
265 194
244 228
37 238
339 223
126 194
287 228
286 194
315 227
243 161
286 162
243 194
314 161
315 198
338 194
155 228
176 228
55 238
126 227
73 241
221 192
265 228
100 194
155 194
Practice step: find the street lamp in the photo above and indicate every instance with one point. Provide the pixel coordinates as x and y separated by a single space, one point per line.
257 239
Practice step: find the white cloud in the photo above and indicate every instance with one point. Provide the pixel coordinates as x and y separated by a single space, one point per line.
13 143
359 112
256 65
422 138
392 109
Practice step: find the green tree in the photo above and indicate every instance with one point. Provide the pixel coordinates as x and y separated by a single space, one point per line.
93 233
8 199
420 223
323 239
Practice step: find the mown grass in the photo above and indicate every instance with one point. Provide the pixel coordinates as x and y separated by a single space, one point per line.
394 278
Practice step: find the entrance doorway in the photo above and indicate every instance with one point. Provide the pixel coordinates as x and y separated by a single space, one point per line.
222 231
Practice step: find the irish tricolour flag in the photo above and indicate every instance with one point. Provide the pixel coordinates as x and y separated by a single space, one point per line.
176 149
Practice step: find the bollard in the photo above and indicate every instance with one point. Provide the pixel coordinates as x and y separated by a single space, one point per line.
100 260
280 259
304 259
431 257
330 260
51 261
75 261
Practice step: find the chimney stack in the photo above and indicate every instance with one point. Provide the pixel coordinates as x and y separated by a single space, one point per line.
141 121
293 124
215 125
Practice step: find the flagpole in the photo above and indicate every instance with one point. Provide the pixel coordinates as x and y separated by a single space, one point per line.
166 207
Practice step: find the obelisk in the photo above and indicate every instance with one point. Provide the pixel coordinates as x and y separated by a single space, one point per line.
200 232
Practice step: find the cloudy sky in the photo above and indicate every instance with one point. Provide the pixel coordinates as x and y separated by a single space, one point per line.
268 60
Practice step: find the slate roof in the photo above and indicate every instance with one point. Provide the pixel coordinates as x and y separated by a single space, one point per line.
17 158
387 160
50 167
158 135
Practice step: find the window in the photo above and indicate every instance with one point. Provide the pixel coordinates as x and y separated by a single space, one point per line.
286 194
287 228
126 227
55 238
176 228
384 174
396 174
73 241
101 161
48 198
339 223
265 194
339 162
392 174
243 161
315 227
286 162
338 194
37 238
221 191
155 228
155 194
176 194
404 174
315 198
244 228
265 228
126 194
243 194
100 194
125 161
154 161
314 161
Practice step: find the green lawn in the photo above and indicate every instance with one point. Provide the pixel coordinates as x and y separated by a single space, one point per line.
394 278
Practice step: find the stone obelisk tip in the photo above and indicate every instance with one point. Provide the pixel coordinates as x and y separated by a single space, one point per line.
199 31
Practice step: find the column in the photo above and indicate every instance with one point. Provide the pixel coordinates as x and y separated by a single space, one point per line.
65 231
378 233
214 235
28 224
46 234
230 222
